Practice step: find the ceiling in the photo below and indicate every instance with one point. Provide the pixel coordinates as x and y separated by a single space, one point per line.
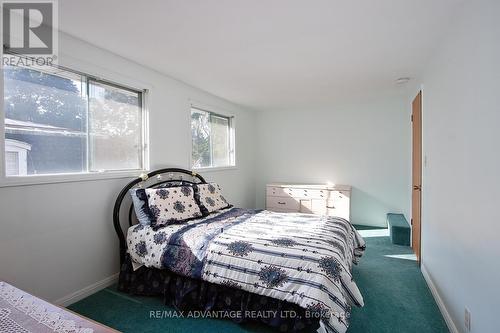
268 54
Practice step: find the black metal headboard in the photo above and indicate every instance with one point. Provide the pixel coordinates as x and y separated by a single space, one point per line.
153 179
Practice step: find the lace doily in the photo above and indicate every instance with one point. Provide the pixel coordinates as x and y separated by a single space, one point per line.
28 305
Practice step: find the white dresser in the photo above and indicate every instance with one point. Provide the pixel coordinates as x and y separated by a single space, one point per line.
331 200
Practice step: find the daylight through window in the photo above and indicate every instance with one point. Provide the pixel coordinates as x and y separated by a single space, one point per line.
213 139
60 122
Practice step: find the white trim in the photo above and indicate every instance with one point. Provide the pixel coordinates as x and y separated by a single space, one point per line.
146 139
439 301
67 178
18 144
211 108
3 170
20 149
214 169
87 291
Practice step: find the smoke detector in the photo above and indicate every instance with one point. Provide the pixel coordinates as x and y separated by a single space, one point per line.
402 80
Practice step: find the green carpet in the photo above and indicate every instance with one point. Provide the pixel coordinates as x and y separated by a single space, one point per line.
396 297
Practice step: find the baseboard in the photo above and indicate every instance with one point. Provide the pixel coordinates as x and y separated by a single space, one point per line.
439 301
87 291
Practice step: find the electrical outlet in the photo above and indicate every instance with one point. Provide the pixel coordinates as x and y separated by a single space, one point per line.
467 320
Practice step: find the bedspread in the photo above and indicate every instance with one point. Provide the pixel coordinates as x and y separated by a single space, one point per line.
301 258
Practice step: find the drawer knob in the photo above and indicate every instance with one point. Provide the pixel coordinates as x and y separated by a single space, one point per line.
281 203
330 207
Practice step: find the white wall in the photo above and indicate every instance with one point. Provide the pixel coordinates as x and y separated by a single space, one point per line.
57 239
365 144
461 183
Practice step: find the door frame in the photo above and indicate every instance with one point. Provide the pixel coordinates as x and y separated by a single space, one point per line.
417 159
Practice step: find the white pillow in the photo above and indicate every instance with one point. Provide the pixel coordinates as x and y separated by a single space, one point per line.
141 207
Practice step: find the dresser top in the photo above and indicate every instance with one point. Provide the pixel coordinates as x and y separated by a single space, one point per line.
335 187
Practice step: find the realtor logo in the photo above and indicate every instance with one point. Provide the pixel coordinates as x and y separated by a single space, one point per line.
30 27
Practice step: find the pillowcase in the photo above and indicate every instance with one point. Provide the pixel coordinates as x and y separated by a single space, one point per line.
140 201
172 205
210 198
141 207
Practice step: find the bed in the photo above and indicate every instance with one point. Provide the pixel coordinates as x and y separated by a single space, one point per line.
288 270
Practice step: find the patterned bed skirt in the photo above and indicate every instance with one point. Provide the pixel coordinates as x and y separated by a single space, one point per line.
187 294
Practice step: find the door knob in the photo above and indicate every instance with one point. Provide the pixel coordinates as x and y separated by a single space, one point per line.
417 187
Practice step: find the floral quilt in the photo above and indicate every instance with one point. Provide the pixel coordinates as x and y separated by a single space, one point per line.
300 258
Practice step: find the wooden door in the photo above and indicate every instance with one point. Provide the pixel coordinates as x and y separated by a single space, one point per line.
416 174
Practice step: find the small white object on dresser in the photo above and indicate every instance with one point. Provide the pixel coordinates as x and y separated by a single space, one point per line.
331 200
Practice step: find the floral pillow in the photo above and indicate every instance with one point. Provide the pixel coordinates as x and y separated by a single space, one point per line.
210 198
140 202
172 205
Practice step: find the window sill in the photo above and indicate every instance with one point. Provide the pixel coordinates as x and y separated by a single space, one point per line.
66 178
214 169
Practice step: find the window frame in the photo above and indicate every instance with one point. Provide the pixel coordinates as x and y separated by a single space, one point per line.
232 136
110 78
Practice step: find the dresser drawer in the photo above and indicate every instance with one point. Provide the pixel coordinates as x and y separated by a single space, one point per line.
326 207
339 206
278 191
338 195
283 203
297 192
308 193
323 200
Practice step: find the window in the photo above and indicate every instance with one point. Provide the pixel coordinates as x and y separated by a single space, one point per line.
213 139
63 122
